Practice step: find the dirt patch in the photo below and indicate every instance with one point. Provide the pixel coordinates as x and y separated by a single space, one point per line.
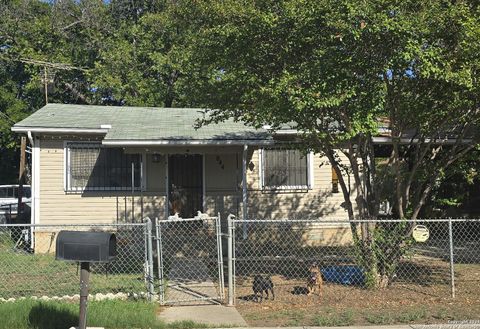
425 298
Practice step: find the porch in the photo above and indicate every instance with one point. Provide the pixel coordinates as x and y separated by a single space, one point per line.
159 182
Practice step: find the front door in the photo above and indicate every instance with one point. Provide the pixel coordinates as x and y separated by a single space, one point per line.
185 183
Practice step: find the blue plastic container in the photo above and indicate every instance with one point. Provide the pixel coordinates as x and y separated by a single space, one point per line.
348 275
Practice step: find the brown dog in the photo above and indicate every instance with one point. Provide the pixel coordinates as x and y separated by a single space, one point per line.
314 280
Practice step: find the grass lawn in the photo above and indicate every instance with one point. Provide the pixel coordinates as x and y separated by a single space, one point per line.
109 314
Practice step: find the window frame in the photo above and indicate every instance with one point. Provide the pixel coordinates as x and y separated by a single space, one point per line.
95 144
310 178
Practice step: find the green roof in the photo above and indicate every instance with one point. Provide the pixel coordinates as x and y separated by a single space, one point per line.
138 123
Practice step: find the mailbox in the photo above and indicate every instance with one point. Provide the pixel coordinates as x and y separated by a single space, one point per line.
96 247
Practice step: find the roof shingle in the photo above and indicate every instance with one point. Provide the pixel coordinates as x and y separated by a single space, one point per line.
140 123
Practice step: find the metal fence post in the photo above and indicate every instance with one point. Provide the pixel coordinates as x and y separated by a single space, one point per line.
221 277
452 271
158 238
151 288
231 299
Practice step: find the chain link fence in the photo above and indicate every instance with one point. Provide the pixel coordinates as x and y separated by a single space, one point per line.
442 261
181 261
190 262
170 261
28 266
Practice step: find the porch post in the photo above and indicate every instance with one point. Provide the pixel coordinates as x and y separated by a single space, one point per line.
35 188
166 187
244 189
133 192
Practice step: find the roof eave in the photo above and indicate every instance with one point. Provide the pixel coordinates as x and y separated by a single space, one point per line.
176 142
286 132
380 140
24 129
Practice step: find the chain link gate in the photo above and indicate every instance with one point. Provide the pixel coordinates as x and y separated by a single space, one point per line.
190 260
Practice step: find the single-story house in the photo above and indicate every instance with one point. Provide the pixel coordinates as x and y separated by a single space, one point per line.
107 164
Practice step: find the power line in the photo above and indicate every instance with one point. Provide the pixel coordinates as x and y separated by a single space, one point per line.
45 64
58 66
7 117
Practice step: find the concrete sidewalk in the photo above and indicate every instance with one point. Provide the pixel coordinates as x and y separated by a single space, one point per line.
212 315
460 325
189 282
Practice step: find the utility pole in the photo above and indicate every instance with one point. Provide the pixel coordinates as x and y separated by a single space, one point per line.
45 83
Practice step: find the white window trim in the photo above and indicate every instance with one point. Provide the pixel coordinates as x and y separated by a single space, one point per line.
67 174
310 177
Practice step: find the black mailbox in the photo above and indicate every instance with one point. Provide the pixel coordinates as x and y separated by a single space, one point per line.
98 247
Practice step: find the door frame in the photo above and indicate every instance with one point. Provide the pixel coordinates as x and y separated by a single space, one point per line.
167 180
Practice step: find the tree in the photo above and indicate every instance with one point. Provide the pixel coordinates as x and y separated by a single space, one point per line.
456 195
12 109
100 52
15 94
144 62
333 68
33 32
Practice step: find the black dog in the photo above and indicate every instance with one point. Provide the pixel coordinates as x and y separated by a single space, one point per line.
260 285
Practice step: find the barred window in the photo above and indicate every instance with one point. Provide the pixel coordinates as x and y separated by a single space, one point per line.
94 167
284 169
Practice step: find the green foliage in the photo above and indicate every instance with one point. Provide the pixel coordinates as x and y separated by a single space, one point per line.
126 53
391 241
143 63
66 32
12 109
456 194
333 69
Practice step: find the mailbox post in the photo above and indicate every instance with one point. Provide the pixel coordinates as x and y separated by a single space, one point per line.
85 248
84 278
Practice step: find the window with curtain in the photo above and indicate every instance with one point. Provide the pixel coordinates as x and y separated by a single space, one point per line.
94 167
285 169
